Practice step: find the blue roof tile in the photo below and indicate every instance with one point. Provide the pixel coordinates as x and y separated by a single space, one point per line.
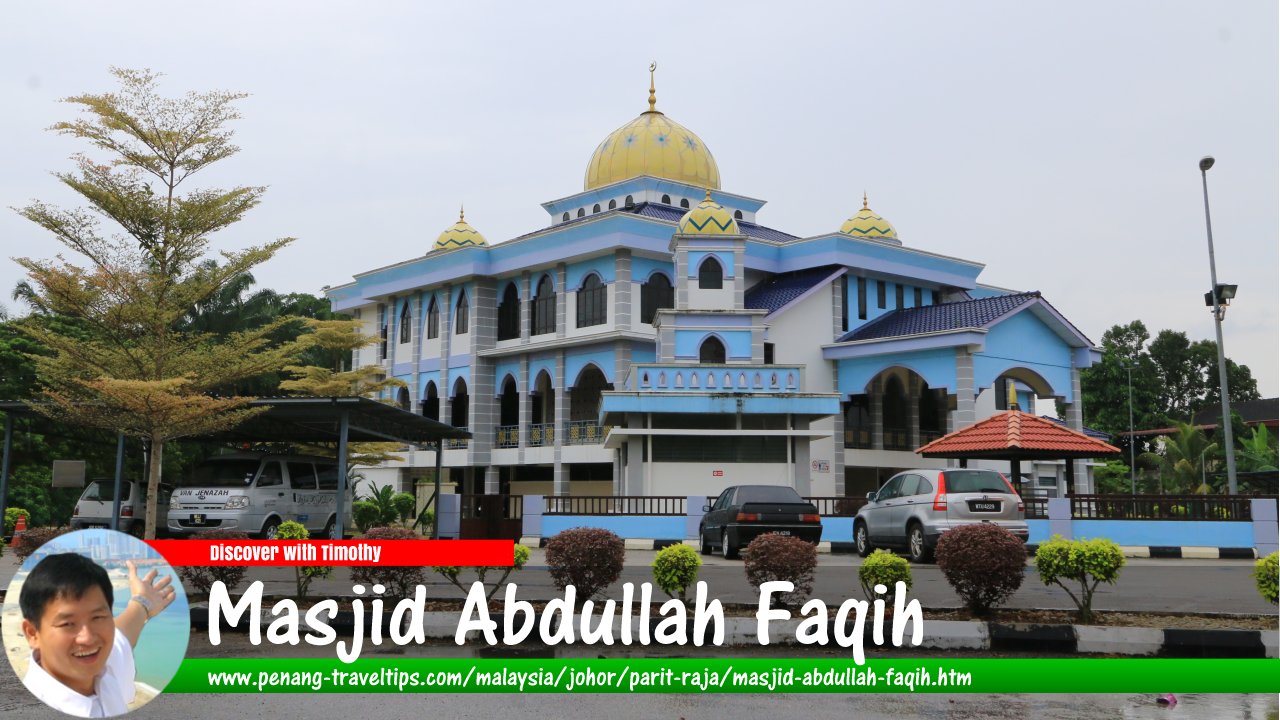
939 318
774 293
1096 434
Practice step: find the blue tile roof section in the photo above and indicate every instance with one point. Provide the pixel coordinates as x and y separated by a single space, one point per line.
774 293
668 212
940 318
1096 434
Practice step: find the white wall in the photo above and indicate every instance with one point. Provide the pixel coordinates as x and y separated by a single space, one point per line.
697 478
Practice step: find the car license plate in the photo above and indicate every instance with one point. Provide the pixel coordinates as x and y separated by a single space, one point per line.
986 507
197 519
784 532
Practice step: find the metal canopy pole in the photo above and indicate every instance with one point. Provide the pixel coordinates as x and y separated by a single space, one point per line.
435 525
115 505
344 421
4 464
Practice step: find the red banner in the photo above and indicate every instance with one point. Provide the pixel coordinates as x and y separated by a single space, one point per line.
287 553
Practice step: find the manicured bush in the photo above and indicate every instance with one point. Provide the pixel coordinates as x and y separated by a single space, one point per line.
675 569
365 514
404 503
883 567
1082 563
1265 573
589 559
303 574
398 581
200 579
984 563
11 518
31 540
782 557
451 573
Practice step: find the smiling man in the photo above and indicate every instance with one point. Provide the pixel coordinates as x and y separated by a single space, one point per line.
81 656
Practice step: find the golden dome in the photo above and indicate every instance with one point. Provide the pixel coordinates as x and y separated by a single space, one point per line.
867 224
652 144
461 234
708 218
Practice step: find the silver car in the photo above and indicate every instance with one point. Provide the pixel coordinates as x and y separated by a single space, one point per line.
915 507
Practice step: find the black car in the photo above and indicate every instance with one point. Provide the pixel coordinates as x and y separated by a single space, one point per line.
743 512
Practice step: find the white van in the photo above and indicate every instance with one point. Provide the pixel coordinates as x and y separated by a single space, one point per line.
254 493
93 509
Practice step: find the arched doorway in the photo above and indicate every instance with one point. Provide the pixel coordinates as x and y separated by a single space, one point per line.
402 399
508 434
897 427
584 407
711 351
460 405
431 402
542 420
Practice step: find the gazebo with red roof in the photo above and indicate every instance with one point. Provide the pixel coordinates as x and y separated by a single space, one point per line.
1015 436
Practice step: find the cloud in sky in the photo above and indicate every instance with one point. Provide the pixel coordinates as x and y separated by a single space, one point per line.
1056 143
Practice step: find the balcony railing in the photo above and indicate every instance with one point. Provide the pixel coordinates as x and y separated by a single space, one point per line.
506 436
615 505
857 439
456 443
542 435
584 432
897 439
837 506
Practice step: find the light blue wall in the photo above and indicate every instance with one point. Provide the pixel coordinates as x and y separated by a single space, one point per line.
501 370
1167 533
1022 340
737 342
454 374
427 377
662 527
602 266
1038 531
646 354
537 365
642 267
937 367
837 529
724 256
575 361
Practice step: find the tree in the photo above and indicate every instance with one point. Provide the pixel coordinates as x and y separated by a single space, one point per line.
1257 450
1105 386
1188 453
136 368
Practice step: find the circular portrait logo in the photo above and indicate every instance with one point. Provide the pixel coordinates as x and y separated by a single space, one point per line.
95 622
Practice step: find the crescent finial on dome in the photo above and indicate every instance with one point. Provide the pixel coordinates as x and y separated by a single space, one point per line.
653 98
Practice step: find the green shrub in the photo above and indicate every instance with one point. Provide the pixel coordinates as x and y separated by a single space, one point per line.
11 518
303 574
1087 563
884 568
589 559
398 581
451 573
405 504
675 569
1177 511
773 557
1265 573
365 514
202 578
984 563
31 540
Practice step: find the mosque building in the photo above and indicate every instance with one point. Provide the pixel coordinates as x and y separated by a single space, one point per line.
656 339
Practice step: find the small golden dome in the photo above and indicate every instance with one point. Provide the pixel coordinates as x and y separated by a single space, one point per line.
708 218
867 224
652 144
461 234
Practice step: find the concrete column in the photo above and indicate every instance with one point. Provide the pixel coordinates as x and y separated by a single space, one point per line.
532 524
837 308
444 299
913 412
492 484
450 514
525 387
877 415
1264 526
562 302
1075 421
635 484
419 329
800 460
560 473
966 391
622 291
693 515
837 455
1060 517
526 305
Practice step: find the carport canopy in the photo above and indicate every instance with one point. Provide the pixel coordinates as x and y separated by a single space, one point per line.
289 419
1015 436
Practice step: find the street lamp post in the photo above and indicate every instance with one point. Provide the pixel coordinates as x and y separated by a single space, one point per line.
1133 468
1219 309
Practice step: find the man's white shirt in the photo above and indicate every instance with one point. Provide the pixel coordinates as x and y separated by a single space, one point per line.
113 688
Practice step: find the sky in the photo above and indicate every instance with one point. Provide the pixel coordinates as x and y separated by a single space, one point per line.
1057 143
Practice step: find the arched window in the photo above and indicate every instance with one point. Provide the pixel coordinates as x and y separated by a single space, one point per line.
933 414
712 351
593 302
542 406
431 402
654 296
584 399
509 405
895 415
613 204
406 323
564 217
628 201
582 212
433 319
509 313
737 214
460 406
666 199
595 208
710 274
462 315
857 422
543 318
402 399
684 203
